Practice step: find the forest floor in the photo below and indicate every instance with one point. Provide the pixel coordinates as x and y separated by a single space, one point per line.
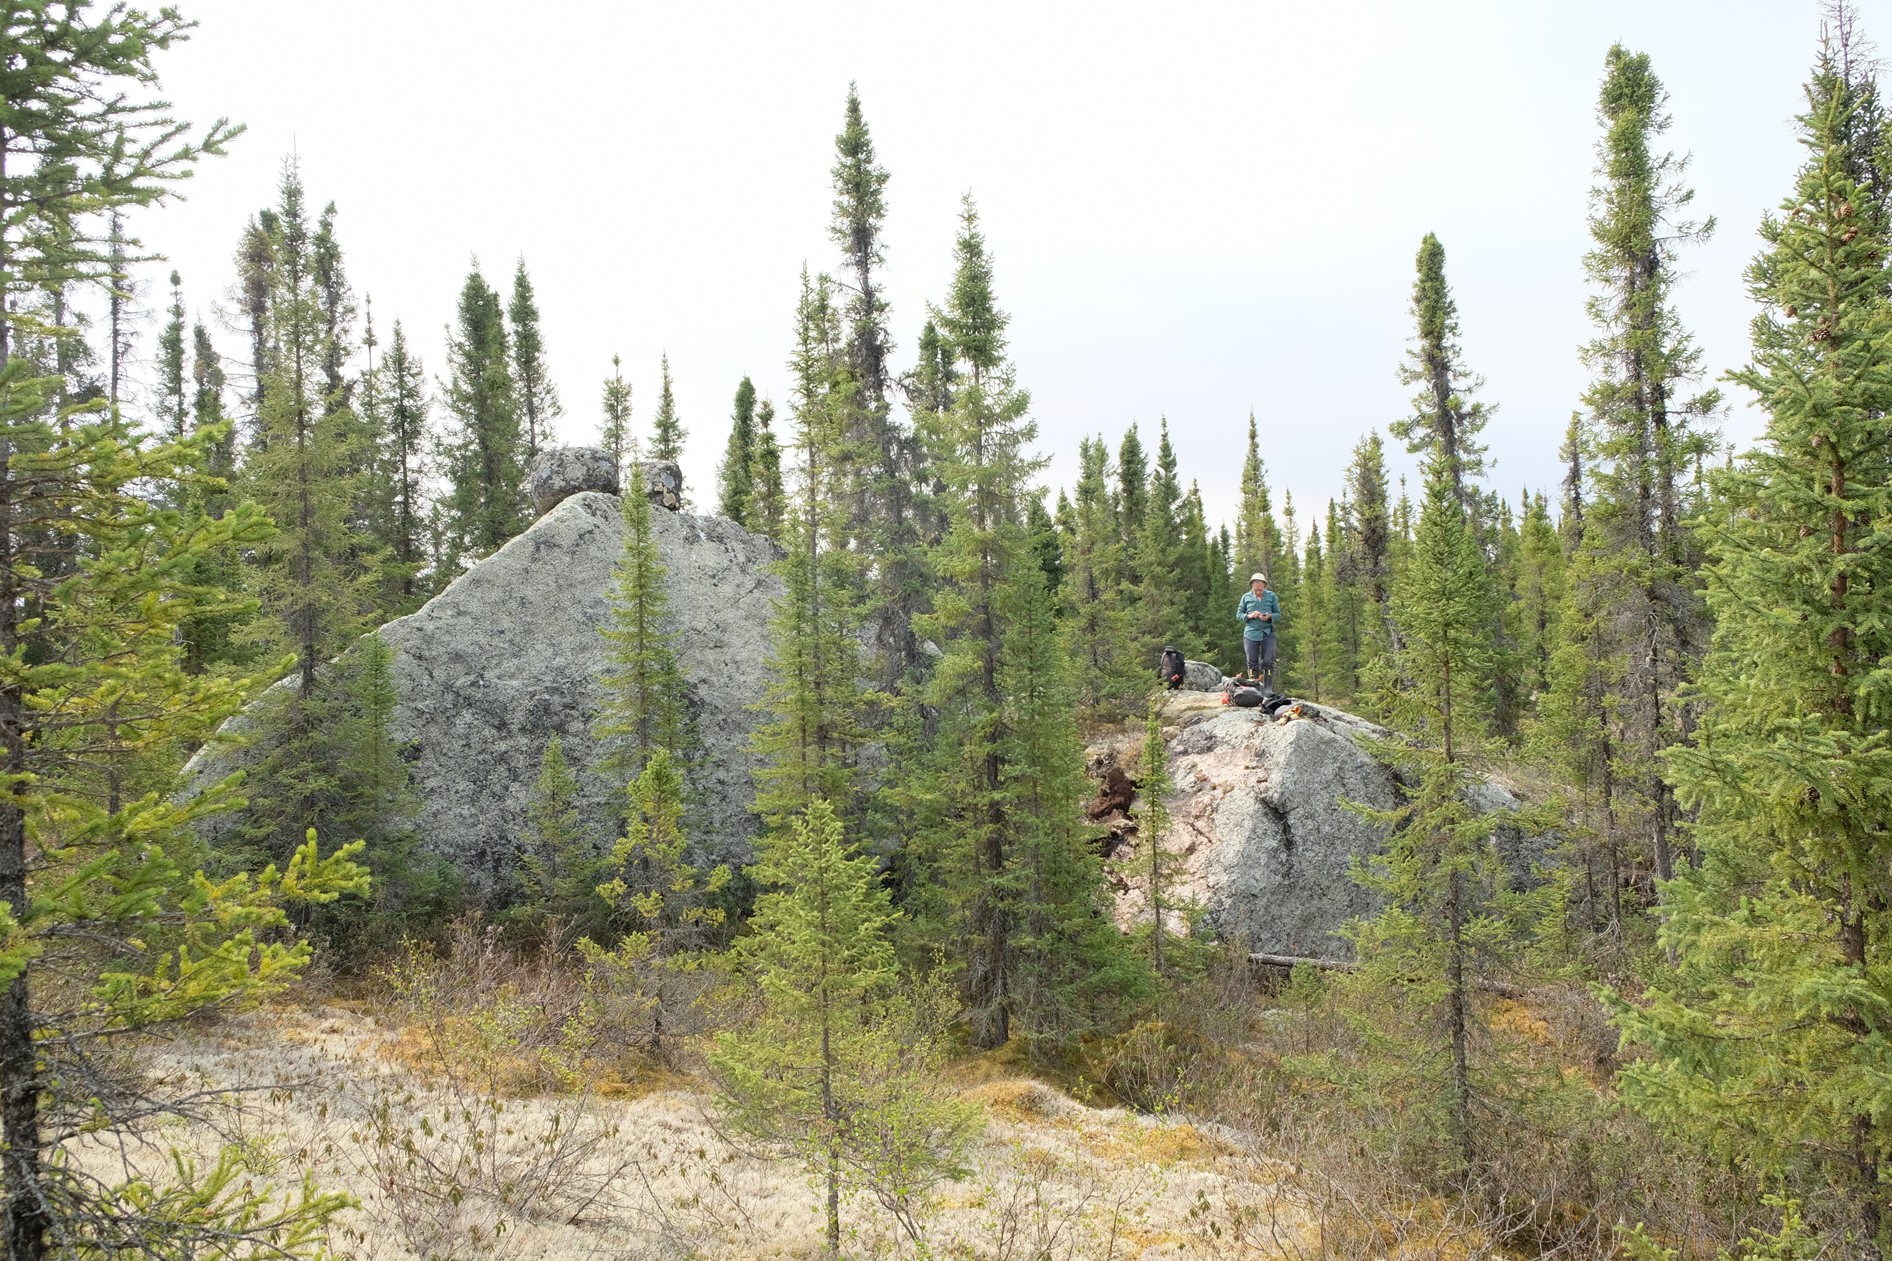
643 1169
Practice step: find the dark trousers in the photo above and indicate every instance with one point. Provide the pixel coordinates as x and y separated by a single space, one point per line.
1260 654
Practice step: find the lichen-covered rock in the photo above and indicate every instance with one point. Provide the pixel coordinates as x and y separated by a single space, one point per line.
508 656
561 472
1200 676
663 484
1260 825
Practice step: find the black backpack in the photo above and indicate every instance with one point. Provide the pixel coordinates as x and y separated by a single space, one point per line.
1246 697
1173 667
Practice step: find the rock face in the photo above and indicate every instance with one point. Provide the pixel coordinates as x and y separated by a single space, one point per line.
508 656
1200 676
561 472
1258 828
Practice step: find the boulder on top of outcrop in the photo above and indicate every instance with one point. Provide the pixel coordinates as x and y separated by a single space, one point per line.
561 472
1260 825
1200 676
509 655
663 484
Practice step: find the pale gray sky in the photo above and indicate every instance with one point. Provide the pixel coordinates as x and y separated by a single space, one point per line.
1195 209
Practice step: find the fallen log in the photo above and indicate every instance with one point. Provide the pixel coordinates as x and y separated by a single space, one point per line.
1503 989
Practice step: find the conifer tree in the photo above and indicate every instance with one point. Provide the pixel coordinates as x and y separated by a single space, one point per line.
1316 632
560 869
483 454
881 480
735 480
403 465
1765 1038
614 431
1133 480
1539 597
1001 789
1094 607
811 738
1366 568
666 430
1157 556
310 578
1640 434
538 397
825 1072
1257 541
660 893
1449 921
1200 581
104 932
644 705
767 501
1445 421
171 406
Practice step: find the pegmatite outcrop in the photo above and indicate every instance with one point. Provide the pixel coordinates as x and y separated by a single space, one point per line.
1260 830
510 653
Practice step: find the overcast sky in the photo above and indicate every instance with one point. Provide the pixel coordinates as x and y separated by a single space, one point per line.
1194 209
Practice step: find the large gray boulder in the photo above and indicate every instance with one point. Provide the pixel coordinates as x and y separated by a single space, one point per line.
508 656
1200 676
561 472
1260 827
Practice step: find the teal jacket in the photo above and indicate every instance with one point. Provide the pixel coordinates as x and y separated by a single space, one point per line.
1263 603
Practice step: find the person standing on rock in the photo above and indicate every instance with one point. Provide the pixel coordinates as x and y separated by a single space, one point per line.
1257 614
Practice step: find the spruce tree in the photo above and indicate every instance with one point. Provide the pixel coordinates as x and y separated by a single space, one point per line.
767 501
812 734
1157 556
1445 421
825 1071
1640 435
1765 1038
1257 541
1366 569
171 406
666 430
1153 786
1133 488
1108 674
98 584
614 430
735 480
1000 791
483 453
644 705
881 477
560 868
538 403
403 466
1449 921
310 578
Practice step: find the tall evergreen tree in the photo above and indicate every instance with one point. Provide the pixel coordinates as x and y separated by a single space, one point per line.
767 501
103 932
1094 607
483 454
1133 489
1257 541
644 707
403 466
881 486
735 480
1001 790
1640 435
812 736
1766 1039
1157 555
666 430
538 403
171 405
1445 421
614 431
